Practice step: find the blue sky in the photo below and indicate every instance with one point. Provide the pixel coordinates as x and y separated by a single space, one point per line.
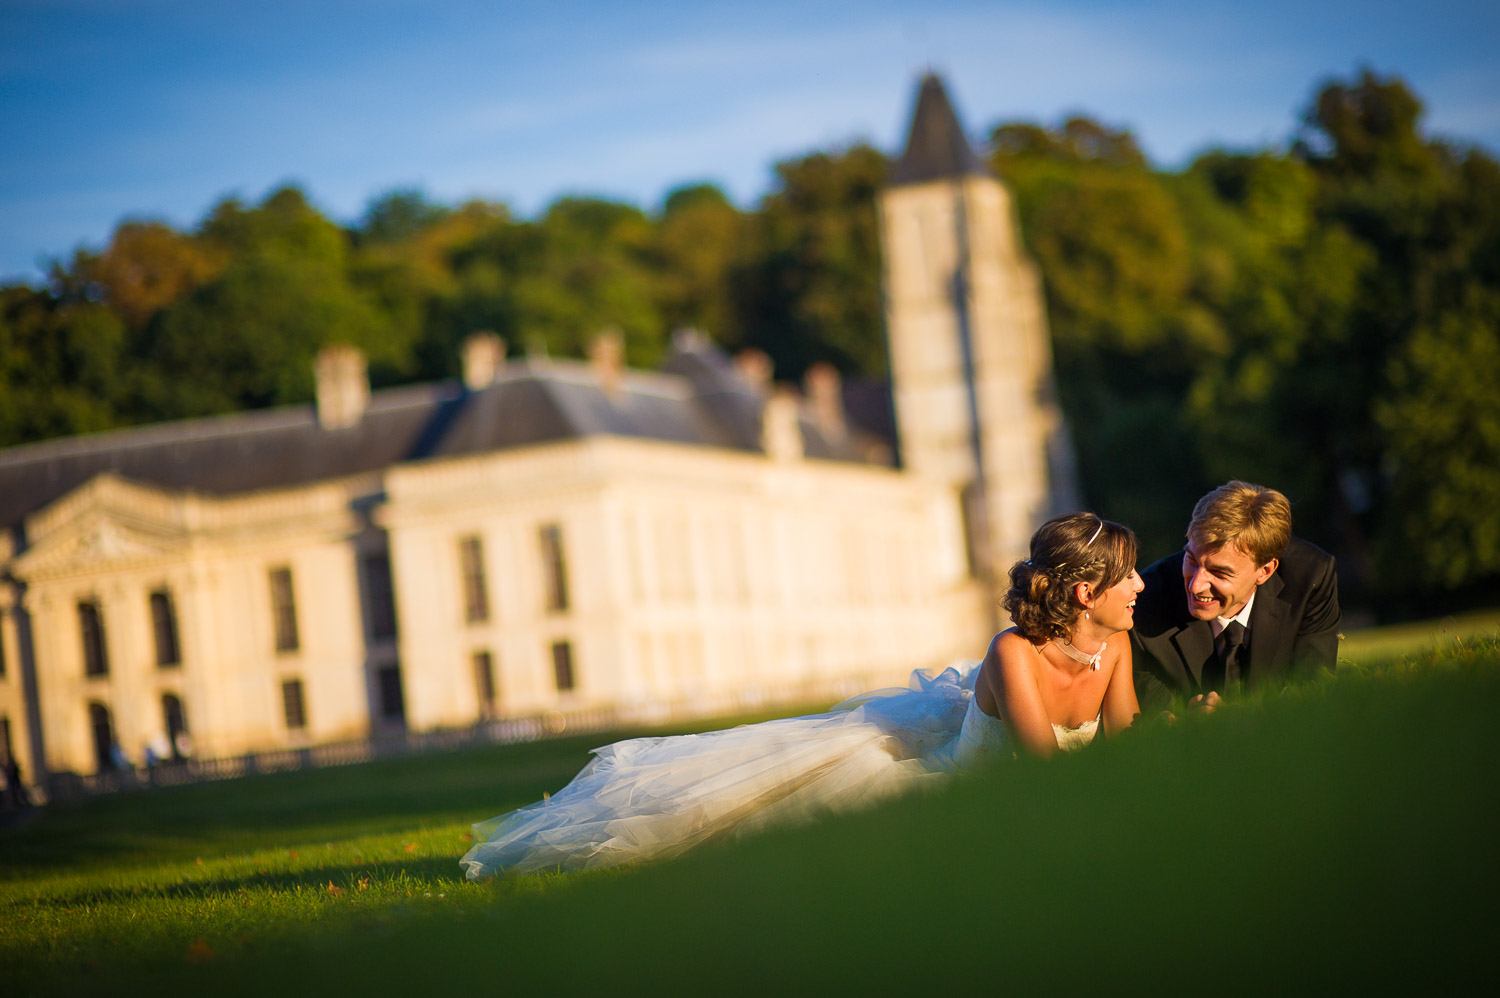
157 108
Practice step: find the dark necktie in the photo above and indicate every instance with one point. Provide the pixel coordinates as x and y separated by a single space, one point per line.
1232 651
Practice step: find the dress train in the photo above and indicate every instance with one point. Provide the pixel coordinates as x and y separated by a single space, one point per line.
650 798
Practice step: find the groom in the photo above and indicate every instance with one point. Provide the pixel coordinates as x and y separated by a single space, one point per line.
1244 602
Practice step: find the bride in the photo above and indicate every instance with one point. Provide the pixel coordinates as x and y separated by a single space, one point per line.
1050 682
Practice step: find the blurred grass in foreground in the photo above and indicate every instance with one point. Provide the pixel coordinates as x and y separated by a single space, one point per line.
1334 838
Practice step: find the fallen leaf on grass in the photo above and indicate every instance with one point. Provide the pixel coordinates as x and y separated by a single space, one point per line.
199 951
335 891
466 837
364 882
411 847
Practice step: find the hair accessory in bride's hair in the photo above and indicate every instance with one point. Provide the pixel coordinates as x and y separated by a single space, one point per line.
1097 531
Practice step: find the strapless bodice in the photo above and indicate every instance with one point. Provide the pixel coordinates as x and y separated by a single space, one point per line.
984 737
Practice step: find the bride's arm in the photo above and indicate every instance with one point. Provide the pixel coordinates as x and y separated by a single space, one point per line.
1120 705
1013 688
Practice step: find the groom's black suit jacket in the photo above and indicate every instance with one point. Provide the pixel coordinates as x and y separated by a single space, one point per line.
1294 626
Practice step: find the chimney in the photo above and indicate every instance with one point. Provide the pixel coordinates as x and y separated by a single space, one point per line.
825 391
484 359
755 367
343 386
780 431
607 358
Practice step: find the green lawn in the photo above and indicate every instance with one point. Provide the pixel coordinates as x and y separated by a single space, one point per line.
1335 838
1376 645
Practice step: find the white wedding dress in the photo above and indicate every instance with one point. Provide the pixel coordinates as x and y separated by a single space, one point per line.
648 798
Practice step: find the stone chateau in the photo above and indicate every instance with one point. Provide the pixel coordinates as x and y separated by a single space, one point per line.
548 536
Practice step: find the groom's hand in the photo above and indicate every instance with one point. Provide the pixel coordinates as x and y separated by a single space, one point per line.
1205 702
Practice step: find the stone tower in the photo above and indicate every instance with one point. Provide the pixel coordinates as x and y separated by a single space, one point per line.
971 362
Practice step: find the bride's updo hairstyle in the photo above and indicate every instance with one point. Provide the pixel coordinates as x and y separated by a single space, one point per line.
1066 550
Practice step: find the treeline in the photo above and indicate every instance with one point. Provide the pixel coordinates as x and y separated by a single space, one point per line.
1324 318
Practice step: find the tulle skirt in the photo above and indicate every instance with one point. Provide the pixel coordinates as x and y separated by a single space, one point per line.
649 798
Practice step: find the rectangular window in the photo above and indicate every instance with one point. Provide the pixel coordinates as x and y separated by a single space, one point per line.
293 704
562 665
381 616
91 627
484 681
164 627
554 567
284 609
476 597
392 703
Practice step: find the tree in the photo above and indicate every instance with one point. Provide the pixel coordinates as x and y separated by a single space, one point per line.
247 338
1422 330
1079 139
1442 432
587 269
698 248
60 362
146 267
1119 270
398 216
812 292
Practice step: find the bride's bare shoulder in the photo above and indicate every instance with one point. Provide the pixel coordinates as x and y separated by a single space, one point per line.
1012 642
1011 654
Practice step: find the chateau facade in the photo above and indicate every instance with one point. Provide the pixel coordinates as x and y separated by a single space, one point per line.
547 536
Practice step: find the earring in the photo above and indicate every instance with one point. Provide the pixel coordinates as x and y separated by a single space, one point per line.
1085 615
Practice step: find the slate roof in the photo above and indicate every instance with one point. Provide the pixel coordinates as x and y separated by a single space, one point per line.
936 147
698 399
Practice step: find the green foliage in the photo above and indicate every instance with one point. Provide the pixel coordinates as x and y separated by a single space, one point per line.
247 338
586 270
1077 140
699 248
1416 433
59 365
813 292
1442 427
1114 243
399 216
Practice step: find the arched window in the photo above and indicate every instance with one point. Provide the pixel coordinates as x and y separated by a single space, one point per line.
175 722
104 736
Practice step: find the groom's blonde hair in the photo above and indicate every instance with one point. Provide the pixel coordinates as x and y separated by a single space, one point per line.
1253 518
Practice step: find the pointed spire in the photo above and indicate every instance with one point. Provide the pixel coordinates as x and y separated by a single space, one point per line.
936 148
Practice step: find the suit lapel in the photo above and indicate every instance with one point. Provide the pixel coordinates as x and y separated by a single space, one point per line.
1270 637
1195 643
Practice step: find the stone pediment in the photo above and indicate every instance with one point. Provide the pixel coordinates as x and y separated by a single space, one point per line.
106 523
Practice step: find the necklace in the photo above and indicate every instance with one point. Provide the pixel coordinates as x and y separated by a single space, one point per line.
1092 661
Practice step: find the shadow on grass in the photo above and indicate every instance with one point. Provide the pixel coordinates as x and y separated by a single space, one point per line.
268 811
434 871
